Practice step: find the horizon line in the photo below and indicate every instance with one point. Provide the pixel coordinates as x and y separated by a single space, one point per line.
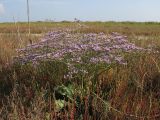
59 21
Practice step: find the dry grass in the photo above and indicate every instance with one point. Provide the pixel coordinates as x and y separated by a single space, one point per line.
9 42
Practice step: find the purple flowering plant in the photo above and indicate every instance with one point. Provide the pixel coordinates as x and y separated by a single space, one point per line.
78 50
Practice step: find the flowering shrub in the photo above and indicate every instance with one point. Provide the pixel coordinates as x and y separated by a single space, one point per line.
76 49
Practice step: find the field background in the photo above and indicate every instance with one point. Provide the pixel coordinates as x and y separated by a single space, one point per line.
134 94
15 35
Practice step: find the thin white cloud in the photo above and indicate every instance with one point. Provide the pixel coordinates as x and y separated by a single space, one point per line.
1 9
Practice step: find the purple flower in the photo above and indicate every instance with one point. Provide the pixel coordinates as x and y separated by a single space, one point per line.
65 45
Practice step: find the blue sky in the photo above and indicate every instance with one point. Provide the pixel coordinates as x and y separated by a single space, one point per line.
86 10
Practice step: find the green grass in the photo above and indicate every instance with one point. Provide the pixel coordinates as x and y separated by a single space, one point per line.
138 28
112 91
36 27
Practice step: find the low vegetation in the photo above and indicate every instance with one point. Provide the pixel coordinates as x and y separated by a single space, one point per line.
90 70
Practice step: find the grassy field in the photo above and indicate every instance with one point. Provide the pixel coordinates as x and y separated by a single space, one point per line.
109 91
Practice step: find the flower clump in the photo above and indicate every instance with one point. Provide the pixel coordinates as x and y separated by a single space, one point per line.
78 48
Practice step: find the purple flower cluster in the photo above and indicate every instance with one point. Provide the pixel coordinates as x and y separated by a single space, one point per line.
71 47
